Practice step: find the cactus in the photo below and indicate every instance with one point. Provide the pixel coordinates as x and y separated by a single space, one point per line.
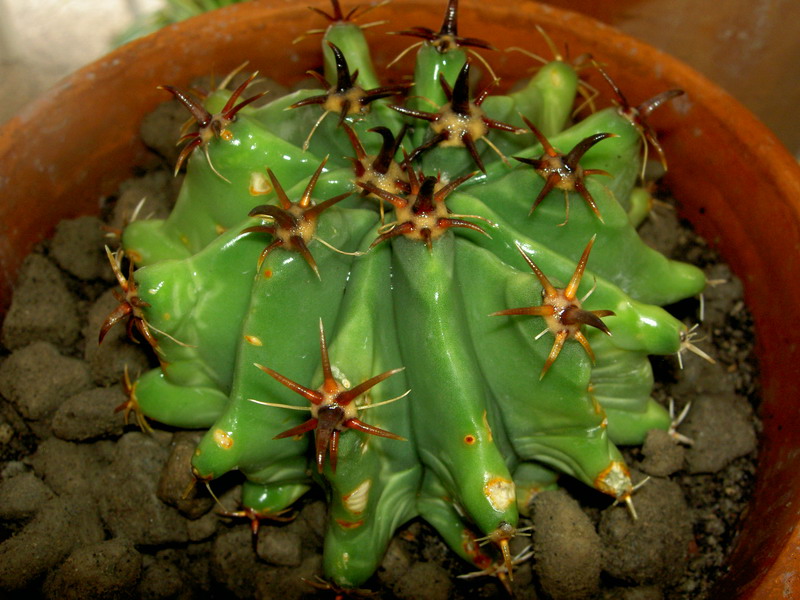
359 300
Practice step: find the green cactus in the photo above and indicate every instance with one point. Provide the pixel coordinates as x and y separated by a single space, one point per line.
390 308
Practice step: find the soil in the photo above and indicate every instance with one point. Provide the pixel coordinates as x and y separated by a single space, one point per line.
93 508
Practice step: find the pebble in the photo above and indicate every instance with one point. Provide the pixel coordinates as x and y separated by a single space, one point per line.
16 438
721 428
70 468
663 455
161 580
651 549
567 550
128 502
722 297
176 478
161 127
90 414
62 524
149 196
644 592
77 247
38 378
234 563
202 528
108 569
291 583
22 496
42 308
280 546
314 521
6 433
395 564
701 377
81 513
424 580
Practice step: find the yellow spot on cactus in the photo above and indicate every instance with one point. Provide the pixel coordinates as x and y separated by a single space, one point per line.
219 229
253 340
473 549
556 79
223 439
349 524
184 240
469 439
166 316
487 427
267 273
356 501
500 493
614 480
468 542
226 135
259 184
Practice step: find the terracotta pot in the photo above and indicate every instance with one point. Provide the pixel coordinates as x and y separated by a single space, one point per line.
735 182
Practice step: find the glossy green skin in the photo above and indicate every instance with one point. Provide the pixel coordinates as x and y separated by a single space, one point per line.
483 432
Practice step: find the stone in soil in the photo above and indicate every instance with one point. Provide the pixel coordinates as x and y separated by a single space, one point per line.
424 580
176 484
291 583
313 520
108 569
234 564
160 580
128 502
149 196
653 548
280 546
62 524
395 563
38 378
161 128
22 496
42 308
644 592
70 468
663 455
721 427
567 550
16 438
89 415
77 247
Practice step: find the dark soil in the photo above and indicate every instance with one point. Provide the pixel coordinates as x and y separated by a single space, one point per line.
93 508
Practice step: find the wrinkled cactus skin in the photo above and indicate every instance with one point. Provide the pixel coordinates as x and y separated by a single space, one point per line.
483 428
